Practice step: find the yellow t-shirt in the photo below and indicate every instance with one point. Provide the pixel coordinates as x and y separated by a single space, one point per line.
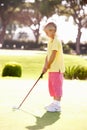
58 63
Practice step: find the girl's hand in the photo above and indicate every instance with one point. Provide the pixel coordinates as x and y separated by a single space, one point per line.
44 70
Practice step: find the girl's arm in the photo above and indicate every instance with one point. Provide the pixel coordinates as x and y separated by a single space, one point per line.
45 64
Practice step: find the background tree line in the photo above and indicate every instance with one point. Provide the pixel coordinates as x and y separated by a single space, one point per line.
31 13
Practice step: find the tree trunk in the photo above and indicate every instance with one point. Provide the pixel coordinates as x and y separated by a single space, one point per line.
36 33
2 33
78 40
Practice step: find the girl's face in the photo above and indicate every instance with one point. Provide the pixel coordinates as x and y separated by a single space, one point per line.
50 33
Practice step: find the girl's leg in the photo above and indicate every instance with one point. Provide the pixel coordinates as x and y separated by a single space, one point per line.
57 98
55 90
55 85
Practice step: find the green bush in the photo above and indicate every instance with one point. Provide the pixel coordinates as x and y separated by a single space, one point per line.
76 72
12 69
66 49
81 73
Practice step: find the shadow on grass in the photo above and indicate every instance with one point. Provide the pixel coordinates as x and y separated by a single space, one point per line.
47 119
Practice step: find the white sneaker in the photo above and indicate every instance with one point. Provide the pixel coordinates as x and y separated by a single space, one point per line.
53 108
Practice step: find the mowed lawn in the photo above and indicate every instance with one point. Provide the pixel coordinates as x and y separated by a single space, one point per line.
32 61
32 115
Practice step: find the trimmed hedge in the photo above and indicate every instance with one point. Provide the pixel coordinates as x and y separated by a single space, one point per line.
76 72
12 69
14 44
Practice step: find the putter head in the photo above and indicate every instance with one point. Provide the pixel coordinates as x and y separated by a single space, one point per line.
15 108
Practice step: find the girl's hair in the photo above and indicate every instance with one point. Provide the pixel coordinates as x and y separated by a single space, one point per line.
50 25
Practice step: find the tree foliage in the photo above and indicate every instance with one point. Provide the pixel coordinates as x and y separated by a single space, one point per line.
7 7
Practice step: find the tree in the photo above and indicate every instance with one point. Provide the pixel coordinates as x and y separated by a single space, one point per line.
11 10
76 9
7 7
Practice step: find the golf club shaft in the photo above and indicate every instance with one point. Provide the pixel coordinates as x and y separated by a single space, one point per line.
30 91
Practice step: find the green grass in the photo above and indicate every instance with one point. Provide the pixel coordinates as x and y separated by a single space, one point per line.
32 64
32 115
71 60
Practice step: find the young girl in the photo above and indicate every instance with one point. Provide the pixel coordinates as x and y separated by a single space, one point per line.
55 64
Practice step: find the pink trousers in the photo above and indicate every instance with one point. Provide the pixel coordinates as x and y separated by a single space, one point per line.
55 83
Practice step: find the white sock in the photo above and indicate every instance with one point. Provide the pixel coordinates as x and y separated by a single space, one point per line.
57 102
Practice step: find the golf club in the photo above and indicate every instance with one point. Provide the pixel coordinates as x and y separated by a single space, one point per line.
16 108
